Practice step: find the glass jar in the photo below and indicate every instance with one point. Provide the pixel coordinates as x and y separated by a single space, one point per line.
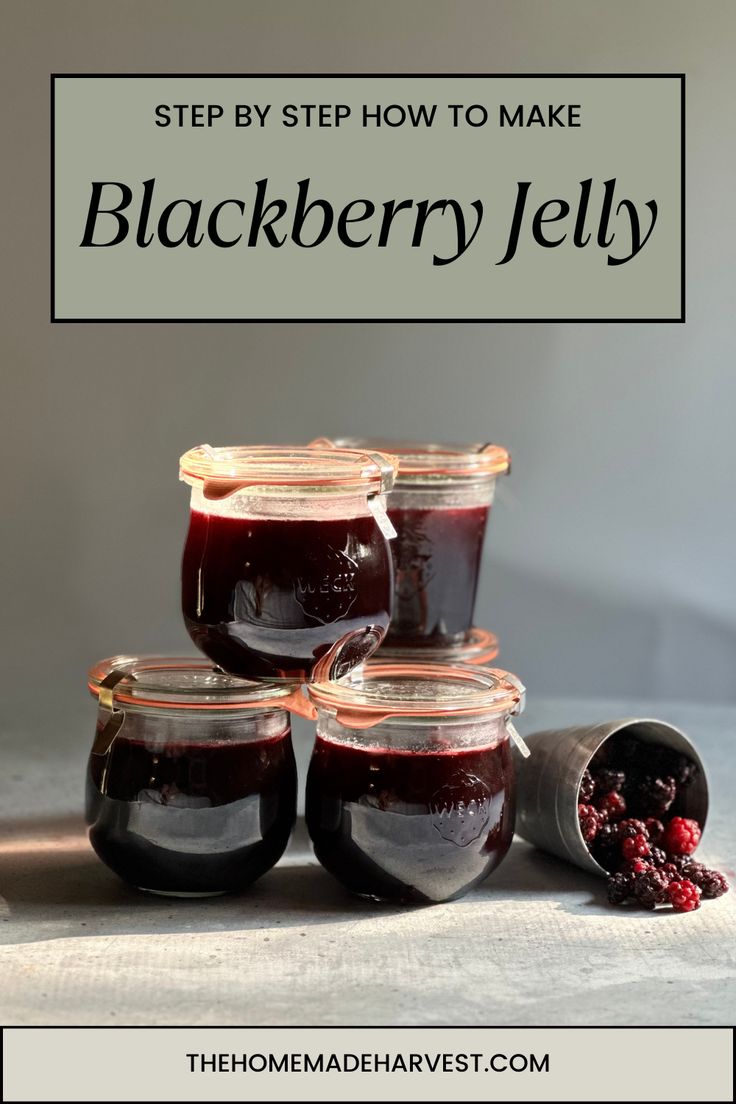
191 782
410 791
287 569
439 507
479 648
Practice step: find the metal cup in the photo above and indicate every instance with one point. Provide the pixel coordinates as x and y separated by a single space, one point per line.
548 783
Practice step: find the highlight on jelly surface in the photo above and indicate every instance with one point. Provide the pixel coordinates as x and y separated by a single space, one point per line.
439 507
410 791
191 782
287 572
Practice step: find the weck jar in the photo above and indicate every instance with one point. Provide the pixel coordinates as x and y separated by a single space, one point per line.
479 648
410 791
439 507
191 781
287 571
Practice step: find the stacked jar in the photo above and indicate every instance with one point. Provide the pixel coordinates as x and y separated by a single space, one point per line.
288 579
439 507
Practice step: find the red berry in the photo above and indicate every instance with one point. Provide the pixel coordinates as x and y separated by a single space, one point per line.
612 804
636 866
630 827
635 847
681 836
589 822
683 896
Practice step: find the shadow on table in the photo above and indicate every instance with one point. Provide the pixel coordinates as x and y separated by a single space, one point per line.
53 886
532 874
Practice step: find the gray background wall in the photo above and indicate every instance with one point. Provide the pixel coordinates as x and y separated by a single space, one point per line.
609 568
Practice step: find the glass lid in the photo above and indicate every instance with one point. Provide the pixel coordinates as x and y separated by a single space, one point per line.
186 682
221 471
419 459
382 690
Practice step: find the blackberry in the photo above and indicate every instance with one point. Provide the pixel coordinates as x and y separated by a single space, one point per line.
657 856
690 868
619 888
635 866
589 822
607 837
655 828
627 829
681 836
683 769
635 847
609 780
650 888
684 896
654 795
613 804
670 871
713 884
587 788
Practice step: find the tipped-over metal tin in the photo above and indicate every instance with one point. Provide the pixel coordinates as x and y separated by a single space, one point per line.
549 780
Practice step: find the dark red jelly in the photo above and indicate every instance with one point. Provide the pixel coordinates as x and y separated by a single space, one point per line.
188 816
409 826
436 562
286 599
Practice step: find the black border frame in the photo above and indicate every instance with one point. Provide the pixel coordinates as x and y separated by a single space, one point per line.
681 77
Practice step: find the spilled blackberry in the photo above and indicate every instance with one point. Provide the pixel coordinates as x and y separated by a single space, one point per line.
650 888
681 836
684 896
713 884
634 786
619 888
689 867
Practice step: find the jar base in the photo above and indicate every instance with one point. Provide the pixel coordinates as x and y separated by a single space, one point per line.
183 893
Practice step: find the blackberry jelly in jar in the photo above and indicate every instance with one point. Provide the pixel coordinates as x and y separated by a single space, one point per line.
287 570
439 507
410 791
191 782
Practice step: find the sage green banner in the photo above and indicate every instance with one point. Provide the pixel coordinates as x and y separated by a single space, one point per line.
335 197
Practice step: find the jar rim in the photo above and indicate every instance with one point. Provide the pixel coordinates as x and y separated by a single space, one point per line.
185 683
424 460
481 647
268 469
380 691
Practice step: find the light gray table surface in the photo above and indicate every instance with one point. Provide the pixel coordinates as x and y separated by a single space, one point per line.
536 944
